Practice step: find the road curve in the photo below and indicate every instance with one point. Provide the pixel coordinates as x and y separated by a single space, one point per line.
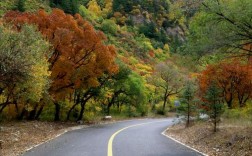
127 138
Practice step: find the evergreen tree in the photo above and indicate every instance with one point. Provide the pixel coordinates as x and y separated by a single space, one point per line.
75 7
20 6
69 6
214 104
187 103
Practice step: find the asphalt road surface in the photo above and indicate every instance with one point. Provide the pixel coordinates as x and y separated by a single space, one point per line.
127 138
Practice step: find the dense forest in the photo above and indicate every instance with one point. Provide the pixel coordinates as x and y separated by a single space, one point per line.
83 59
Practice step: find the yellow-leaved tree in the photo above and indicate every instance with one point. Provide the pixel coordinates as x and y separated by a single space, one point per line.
94 7
24 75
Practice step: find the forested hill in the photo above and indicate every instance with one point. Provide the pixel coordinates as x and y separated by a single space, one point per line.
82 59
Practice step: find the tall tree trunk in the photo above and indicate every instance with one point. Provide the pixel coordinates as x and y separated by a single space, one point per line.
118 106
76 102
215 117
22 114
81 112
57 112
3 106
33 113
229 103
16 106
188 114
188 111
242 100
70 110
110 104
165 100
39 112
83 104
86 97
108 109
229 100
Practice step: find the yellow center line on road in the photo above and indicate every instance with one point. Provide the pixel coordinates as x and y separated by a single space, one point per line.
110 143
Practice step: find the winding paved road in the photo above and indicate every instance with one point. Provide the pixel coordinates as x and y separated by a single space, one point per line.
127 138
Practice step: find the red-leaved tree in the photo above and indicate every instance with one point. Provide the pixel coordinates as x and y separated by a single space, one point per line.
234 78
79 55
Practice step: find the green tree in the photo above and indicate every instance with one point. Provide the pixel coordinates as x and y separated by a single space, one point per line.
223 26
187 102
214 105
86 14
124 88
109 26
24 75
137 94
149 30
168 79
122 5
20 6
117 85
69 6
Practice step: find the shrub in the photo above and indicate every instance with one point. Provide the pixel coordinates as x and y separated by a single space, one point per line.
109 26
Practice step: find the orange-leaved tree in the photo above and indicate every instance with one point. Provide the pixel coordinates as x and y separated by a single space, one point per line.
79 56
234 78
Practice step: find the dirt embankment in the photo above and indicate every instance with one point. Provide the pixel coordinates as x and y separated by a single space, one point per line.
228 141
16 137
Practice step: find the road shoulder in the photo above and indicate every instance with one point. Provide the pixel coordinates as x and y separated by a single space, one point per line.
229 140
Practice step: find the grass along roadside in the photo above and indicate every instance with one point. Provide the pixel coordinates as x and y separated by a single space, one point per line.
17 137
230 139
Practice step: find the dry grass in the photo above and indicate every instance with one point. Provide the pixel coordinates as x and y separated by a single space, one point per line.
16 137
230 140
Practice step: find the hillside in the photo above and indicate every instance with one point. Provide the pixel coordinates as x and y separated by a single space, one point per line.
145 33
139 33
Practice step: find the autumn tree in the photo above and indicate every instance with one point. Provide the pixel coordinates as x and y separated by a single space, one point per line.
243 85
24 75
94 7
79 55
167 78
108 8
86 14
232 77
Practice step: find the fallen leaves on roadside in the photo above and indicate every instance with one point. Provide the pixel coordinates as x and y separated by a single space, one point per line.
15 137
228 141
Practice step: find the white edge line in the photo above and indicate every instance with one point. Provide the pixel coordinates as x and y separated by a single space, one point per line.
72 129
163 133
